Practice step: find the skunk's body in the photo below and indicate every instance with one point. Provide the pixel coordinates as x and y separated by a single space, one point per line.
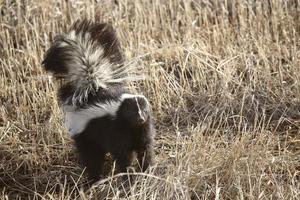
88 64
129 131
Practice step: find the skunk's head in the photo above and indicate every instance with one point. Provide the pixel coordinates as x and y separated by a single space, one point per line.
134 110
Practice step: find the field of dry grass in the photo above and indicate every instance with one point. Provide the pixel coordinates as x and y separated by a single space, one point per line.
223 81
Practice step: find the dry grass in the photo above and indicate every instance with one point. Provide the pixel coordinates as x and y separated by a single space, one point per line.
223 82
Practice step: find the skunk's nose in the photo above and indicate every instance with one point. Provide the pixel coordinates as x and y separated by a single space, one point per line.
141 120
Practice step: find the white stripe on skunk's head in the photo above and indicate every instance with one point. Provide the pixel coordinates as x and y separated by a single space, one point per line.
135 109
87 58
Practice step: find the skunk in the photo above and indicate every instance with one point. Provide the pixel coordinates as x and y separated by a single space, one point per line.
100 114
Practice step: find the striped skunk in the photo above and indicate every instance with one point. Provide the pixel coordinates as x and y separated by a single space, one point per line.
100 114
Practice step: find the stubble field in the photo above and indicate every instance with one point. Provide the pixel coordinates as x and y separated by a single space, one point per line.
222 78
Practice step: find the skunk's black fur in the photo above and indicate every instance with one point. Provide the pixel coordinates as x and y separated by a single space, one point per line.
131 130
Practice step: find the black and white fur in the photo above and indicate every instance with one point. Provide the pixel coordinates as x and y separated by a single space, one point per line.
130 130
100 114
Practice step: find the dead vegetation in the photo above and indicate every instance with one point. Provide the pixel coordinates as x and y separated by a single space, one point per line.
223 80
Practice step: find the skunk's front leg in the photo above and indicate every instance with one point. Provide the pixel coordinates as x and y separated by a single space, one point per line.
92 158
145 155
123 159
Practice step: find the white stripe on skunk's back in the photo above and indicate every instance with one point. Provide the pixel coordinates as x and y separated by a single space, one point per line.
77 120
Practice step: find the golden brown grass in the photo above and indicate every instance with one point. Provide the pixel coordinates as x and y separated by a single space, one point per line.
224 85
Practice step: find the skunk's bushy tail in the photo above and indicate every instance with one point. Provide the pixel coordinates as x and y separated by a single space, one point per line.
87 58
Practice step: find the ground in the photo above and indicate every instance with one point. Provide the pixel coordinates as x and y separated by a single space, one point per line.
222 78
